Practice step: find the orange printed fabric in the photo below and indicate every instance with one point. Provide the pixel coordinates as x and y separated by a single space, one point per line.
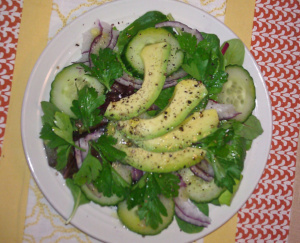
10 18
275 46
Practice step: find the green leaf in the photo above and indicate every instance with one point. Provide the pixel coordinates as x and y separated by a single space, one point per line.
106 67
64 128
235 53
204 61
109 182
164 97
145 194
63 153
78 196
86 107
172 182
226 152
46 133
49 110
188 42
227 196
105 146
50 138
89 170
251 128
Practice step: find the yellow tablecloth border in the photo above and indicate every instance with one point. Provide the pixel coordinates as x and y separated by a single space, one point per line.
14 173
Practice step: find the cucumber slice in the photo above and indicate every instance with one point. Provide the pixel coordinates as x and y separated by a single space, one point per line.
92 193
199 190
132 57
65 85
123 170
132 221
239 91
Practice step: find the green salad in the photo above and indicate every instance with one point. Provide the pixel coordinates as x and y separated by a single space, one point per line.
154 120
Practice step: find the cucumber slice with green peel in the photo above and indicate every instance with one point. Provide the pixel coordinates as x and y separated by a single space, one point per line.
239 91
65 85
132 221
132 57
199 190
123 170
92 193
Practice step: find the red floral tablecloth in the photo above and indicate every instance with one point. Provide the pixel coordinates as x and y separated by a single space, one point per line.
10 19
275 46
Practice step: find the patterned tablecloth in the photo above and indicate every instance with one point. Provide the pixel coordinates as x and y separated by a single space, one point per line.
275 46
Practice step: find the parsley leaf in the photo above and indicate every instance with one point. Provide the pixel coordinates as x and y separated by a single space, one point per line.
226 149
63 127
51 139
106 67
49 110
146 192
63 153
109 182
104 146
86 106
89 170
53 136
204 61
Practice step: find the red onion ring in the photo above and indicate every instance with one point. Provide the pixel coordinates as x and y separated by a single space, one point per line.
84 144
224 49
203 170
171 80
136 174
186 210
183 27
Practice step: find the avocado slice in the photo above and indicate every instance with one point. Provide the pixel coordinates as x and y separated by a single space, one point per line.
152 161
161 162
191 130
187 95
155 58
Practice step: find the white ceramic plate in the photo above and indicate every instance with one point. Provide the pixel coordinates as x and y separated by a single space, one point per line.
101 222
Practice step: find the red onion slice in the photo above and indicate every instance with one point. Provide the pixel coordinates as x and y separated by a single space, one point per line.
225 111
78 156
84 144
203 170
186 210
113 39
87 39
224 49
171 80
183 27
102 40
136 174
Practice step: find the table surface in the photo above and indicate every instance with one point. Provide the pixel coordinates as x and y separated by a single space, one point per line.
274 43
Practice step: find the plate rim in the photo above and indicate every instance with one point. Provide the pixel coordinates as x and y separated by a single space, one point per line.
65 29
